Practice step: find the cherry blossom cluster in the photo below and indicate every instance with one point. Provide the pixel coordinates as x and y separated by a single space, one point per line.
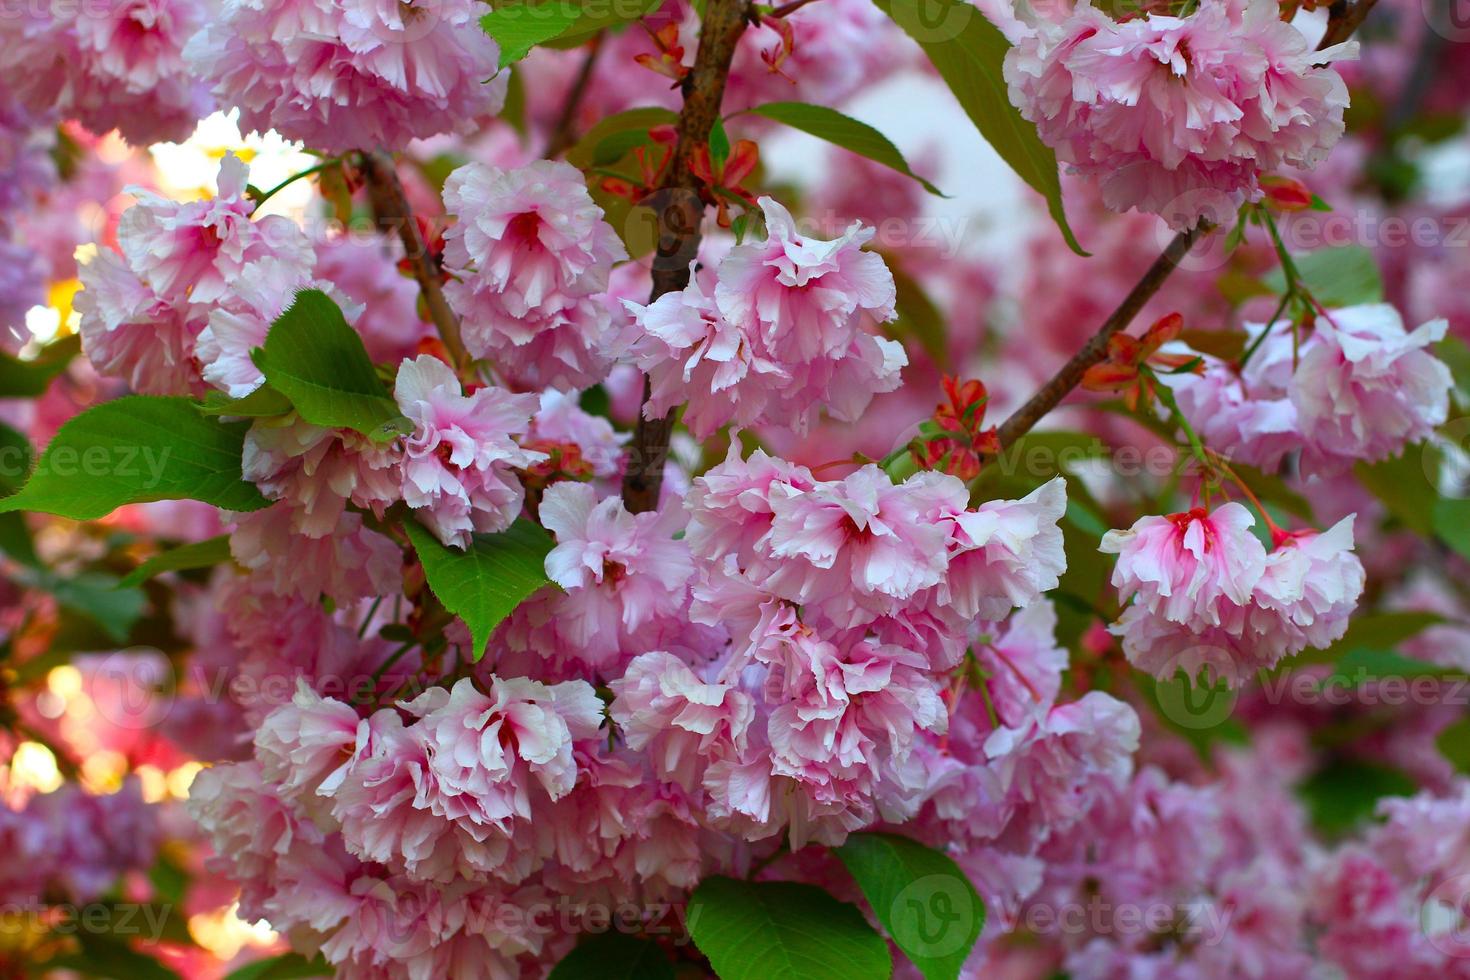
782 331
116 64
347 75
1357 387
72 845
1179 116
153 313
530 251
1207 597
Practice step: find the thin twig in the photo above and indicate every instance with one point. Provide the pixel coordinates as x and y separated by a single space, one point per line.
680 212
390 206
1050 395
1343 19
564 133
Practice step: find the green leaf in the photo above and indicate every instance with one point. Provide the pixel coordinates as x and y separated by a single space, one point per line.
1367 663
607 141
1344 276
844 131
719 144
1344 792
484 583
262 403
1456 355
200 554
1453 743
287 966
1451 522
29 379
968 52
133 450
15 540
923 899
1405 486
781 930
1373 631
106 956
100 597
614 956
15 460
318 362
918 318
519 27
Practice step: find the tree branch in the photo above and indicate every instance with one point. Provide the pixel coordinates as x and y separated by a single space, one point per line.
1050 395
680 213
390 206
564 134
1343 19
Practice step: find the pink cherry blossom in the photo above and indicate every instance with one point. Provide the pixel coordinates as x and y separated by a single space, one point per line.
1005 553
1311 584
1365 387
199 249
1179 115
348 75
863 533
118 64
306 746
660 700
782 335
346 562
319 471
622 572
457 464
1194 568
529 248
129 331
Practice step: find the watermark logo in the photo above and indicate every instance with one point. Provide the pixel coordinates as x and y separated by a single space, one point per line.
933 916
1445 916
1191 702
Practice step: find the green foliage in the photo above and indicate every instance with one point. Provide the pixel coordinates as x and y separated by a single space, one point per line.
614 956
200 554
1405 486
918 318
968 52
484 583
28 379
780 930
1345 792
112 605
15 460
1342 276
844 131
287 966
317 361
1454 744
616 135
133 450
262 403
1373 631
518 27
922 898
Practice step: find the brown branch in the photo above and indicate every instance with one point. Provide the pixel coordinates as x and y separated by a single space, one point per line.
1051 394
390 206
1343 19
680 213
564 133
